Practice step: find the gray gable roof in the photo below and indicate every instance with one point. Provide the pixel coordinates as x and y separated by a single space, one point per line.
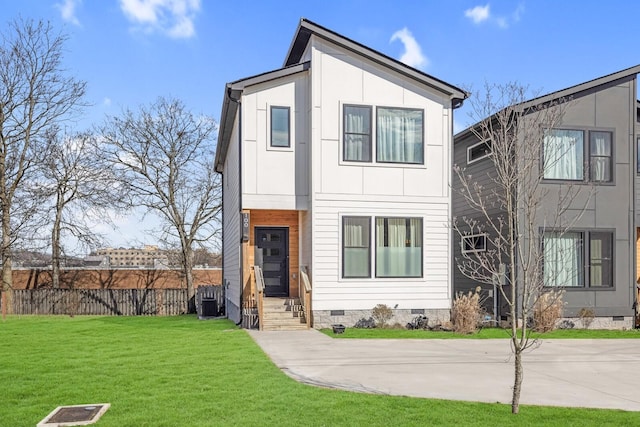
575 91
292 65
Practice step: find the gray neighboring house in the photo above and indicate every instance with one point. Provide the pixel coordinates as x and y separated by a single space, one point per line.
605 107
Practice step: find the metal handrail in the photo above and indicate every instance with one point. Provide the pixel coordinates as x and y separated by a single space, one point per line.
259 293
305 299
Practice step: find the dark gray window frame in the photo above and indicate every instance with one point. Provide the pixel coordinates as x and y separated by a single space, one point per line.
288 109
422 133
407 224
586 261
368 218
586 156
344 132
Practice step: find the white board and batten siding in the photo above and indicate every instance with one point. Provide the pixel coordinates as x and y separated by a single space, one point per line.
275 177
231 228
368 189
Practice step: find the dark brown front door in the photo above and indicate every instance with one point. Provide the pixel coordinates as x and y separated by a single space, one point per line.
272 254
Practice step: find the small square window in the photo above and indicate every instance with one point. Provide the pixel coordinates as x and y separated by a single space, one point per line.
280 127
474 243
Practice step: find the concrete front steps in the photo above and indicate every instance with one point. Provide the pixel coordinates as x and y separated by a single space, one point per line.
283 314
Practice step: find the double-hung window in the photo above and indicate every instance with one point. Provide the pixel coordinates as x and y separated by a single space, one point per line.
565 152
356 248
575 259
357 133
399 134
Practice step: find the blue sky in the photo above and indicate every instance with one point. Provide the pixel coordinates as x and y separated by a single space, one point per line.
132 51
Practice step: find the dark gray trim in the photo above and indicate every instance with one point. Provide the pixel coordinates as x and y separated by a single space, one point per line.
571 92
230 102
307 28
368 218
586 254
406 218
422 134
288 109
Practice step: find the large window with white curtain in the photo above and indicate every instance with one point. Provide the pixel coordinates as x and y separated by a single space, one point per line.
398 247
578 155
399 134
564 154
356 250
578 259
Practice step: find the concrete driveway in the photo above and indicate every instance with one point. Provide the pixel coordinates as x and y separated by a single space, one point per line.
580 373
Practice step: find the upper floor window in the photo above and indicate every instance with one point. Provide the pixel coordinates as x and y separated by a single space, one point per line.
357 133
478 151
399 134
280 127
638 155
565 151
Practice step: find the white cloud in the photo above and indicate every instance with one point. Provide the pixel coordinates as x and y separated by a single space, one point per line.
68 10
412 55
478 14
106 102
171 17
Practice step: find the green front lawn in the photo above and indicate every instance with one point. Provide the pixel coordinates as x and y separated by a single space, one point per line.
179 371
485 333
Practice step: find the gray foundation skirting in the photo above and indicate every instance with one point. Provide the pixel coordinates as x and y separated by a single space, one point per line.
325 318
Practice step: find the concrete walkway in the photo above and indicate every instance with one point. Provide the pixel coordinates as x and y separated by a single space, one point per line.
581 373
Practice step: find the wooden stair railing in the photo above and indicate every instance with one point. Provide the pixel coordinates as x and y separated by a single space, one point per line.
305 294
259 294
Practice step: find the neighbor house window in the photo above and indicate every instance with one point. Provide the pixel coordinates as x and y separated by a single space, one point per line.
474 243
578 259
478 151
280 127
356 252
398 247
357 133
399 135
564 154
601 159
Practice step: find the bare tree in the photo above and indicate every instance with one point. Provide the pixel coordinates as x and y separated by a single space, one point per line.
82 191
165 156
35 95
511 206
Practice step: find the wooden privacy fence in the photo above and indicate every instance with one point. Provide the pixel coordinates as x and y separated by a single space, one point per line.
119 302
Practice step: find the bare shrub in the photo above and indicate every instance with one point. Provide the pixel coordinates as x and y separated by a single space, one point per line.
381 313
467 312
547 310
586 316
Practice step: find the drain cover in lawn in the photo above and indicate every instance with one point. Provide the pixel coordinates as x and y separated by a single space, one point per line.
75 415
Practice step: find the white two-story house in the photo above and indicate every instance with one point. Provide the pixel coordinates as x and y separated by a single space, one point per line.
337 168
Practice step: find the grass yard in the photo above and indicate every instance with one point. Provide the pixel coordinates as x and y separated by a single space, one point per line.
179 371
486 333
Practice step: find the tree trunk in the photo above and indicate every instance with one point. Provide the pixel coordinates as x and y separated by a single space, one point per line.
187 266
517 383
7 279
55 249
